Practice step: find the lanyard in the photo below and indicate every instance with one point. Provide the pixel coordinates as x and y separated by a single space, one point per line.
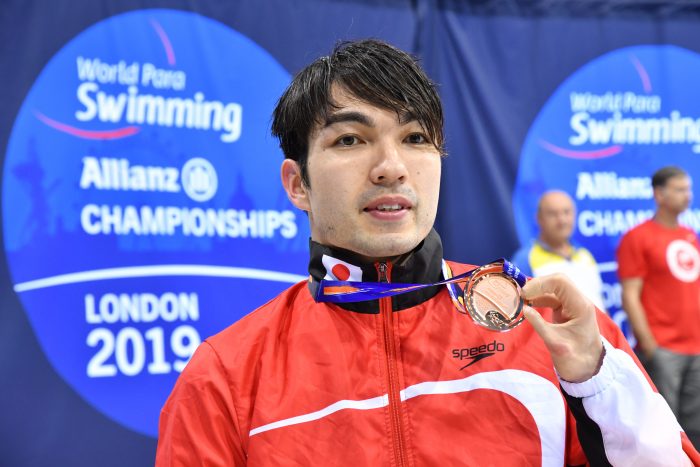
348 291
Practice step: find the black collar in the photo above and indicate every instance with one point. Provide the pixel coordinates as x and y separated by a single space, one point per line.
423 265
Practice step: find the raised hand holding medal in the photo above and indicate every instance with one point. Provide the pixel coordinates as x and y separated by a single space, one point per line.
573 337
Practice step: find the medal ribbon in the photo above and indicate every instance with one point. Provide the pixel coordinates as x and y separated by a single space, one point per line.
348 291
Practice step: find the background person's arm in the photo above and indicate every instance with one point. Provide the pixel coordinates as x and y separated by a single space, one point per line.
632 304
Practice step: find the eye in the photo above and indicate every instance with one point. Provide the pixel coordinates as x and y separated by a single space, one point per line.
416 138
347 140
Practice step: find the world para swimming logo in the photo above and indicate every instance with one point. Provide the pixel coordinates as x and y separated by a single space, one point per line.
142 209
600 136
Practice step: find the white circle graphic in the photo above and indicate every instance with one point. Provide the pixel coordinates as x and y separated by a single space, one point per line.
683 260
199 179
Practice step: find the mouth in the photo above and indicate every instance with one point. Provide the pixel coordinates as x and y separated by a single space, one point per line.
389 207
388 204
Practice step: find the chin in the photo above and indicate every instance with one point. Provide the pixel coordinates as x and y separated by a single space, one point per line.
390 247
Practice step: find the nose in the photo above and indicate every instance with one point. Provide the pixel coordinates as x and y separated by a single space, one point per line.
389 167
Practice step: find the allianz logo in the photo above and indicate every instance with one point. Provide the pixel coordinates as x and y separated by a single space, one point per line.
197 177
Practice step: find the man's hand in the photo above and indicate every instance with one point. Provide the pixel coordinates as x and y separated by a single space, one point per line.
573 337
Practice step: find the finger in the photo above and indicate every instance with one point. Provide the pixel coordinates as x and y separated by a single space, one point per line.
536 321
546 300
558 285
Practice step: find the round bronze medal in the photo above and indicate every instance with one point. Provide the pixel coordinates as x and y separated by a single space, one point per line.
493 298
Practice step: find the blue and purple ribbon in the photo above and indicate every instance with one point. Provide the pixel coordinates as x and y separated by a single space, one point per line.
348 291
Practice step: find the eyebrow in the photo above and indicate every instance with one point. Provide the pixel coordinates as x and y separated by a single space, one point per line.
406 117
341 117
363 119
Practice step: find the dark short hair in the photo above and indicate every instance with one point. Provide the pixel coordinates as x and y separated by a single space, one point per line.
663 175
371 70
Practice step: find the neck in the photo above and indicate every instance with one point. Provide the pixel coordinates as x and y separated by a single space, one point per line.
666 218
423 265
562 247
387 259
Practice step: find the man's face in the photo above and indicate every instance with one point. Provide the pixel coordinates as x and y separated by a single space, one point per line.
374 180
675 195
556 217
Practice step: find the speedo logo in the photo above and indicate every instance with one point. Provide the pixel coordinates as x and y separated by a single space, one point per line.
478 353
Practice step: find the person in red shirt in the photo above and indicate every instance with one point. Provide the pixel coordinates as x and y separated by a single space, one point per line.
405 380
659 268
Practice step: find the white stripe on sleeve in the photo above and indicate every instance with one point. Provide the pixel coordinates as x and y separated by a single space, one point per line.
636 423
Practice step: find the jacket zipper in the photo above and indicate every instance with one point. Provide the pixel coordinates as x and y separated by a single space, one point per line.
386 312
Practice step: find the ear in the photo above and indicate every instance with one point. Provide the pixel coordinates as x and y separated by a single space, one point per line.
297 192
658 194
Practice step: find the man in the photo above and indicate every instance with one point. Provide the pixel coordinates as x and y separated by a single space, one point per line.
405 380
553 252
659 268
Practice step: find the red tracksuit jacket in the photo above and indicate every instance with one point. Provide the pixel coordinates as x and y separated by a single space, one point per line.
402 381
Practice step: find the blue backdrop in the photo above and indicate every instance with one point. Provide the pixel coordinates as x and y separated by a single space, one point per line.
140 204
